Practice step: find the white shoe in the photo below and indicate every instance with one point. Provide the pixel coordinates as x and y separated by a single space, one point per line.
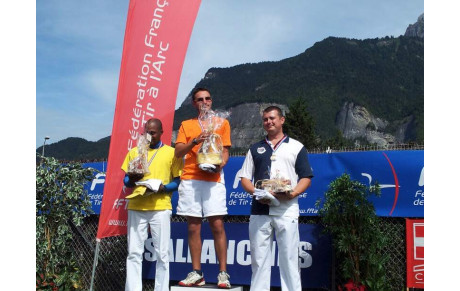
193 279
223 280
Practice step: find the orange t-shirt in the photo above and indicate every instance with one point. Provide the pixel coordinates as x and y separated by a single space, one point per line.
190 129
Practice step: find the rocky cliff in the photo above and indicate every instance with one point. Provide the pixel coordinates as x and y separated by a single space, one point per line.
416 29
246 123
356 122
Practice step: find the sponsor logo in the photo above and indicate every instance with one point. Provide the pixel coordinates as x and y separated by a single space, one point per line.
118 203
236 181
238 252
369 177
261 150
117 222
421 180
99 179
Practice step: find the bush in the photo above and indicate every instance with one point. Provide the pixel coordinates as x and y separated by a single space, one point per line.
60 201
350 218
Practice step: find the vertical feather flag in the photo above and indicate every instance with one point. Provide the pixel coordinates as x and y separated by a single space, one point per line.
156 40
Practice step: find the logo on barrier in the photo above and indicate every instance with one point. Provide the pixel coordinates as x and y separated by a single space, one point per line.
382 186
314 272
421 180
99 179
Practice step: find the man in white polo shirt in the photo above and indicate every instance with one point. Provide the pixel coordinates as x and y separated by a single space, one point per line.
281 155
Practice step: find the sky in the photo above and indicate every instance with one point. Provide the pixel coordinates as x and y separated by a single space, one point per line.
79 45
70 43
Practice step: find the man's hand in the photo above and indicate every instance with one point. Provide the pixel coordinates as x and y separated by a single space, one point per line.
134 177
284 195
202 137
265 201
218 168
161 188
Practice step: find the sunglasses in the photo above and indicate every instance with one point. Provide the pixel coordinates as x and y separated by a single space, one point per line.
202 99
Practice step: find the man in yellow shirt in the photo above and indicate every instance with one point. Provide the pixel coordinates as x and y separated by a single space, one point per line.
202 193
149 208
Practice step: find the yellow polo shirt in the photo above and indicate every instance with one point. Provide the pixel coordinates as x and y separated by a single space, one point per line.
165 166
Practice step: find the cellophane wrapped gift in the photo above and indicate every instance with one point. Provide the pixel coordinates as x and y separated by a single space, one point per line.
139 165
210 151
276 183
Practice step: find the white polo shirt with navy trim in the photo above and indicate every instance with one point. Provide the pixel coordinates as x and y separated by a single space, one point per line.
291 162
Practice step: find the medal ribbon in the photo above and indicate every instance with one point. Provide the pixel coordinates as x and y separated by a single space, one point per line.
277 145
201 125
151 159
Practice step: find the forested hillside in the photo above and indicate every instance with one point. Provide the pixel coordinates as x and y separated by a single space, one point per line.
383 75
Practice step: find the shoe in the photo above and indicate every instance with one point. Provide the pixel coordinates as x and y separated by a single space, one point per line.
193 279
223 280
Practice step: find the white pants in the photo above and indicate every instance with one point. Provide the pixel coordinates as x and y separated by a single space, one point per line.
160 228
286 229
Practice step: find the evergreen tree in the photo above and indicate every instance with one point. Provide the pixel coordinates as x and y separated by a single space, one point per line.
337 141
300 125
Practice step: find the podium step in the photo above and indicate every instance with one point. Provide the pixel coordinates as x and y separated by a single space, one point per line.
207 287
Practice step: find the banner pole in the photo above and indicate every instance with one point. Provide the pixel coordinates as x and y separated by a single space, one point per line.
96 259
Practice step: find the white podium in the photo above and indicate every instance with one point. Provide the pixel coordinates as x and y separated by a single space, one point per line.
207 287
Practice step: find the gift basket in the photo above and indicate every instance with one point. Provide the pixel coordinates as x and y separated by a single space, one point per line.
277 184
138 166
210 151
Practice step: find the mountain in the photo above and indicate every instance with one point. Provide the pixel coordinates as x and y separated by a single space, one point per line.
382 75
370 90
78 149
416 29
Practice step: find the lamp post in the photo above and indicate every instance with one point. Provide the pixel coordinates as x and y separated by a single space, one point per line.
43 149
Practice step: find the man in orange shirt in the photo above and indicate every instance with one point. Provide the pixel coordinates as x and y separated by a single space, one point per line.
202 193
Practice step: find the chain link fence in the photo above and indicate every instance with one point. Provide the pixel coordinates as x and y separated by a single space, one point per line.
110 272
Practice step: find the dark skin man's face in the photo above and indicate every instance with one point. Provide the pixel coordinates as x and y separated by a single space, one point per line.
154 130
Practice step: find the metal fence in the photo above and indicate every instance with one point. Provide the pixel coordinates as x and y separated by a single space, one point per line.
110 271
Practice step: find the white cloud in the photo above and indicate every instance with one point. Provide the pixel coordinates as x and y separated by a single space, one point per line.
101 84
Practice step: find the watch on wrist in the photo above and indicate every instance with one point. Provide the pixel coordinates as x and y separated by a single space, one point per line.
194 141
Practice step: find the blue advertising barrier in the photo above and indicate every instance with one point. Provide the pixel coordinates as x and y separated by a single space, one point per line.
314 255
95 188
399 173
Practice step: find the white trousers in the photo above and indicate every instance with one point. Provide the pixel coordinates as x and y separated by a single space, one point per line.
160 228
286 229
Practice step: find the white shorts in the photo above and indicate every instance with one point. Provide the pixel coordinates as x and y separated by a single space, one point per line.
201 198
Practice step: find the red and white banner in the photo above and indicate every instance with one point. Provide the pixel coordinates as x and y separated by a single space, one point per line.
156 40
415 233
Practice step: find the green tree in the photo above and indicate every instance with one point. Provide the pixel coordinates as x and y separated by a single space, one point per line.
337 141
350 218
60 201
300 125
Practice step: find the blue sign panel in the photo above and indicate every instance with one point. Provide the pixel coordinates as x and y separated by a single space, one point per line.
399 173
314 256
95 188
